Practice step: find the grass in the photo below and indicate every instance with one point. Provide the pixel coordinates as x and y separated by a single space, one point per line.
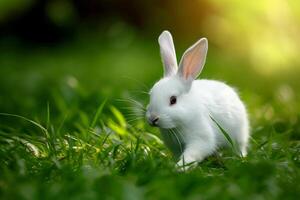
93 161
66 136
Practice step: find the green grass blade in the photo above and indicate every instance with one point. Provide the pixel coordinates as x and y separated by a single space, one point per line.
48 115
137 144
26 119
226 135
224 132
98 113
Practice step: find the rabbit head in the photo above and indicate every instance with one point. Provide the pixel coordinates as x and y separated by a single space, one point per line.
170 95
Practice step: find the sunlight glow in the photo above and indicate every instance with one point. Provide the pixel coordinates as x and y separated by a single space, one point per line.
264 32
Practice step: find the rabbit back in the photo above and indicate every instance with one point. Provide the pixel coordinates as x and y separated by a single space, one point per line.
221 102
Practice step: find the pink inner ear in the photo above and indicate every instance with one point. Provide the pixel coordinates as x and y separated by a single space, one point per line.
190 63
187 72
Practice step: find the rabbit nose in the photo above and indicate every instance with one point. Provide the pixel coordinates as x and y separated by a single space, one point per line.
153 120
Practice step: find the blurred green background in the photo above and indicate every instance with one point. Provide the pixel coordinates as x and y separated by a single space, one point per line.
68 56
101 47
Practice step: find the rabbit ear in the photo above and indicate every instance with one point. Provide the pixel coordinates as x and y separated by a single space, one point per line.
193 60
168 54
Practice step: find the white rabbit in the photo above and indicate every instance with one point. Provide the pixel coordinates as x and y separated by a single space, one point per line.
182 107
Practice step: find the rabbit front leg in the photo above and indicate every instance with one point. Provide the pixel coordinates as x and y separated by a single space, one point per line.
195 152
187 161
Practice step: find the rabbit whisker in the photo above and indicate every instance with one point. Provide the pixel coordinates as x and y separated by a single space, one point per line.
137 81
179 132
132 108
133 120
140 92
134 102
178 141
134 114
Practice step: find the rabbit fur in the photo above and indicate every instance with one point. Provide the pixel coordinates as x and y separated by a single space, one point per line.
183 107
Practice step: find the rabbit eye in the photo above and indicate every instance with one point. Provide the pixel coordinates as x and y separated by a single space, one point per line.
173 100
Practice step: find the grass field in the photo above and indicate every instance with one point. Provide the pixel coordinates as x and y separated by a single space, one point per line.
69 128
